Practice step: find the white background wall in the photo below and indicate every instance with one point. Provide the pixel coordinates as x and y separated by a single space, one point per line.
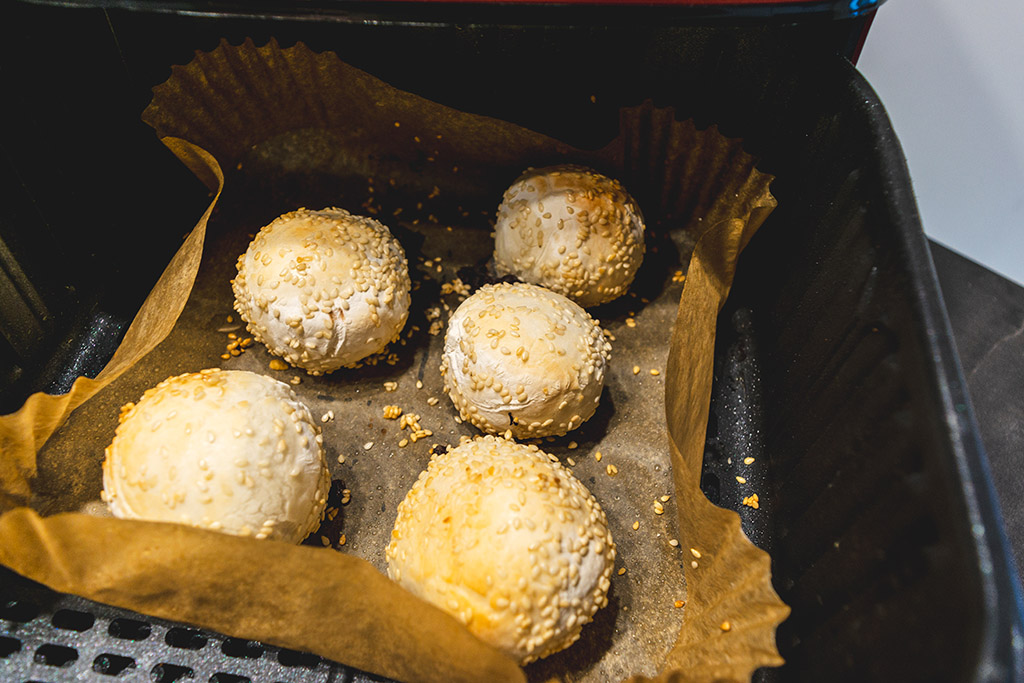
951 76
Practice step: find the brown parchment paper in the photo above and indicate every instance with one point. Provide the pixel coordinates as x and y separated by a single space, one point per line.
297 128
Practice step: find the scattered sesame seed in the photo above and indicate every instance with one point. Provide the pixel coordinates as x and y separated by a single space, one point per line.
572 463
341 459
678 603
326 541
419 384
368 445
612 470
346 496
741 480
392 412
655 372
751 501
598 456
674 543
694 564
726 626
664 499
276 364
695 553
343 540
573 444
432 401
630 322
659 509
390 386
403 443
636 525
225 356
636 369
622 570
748 461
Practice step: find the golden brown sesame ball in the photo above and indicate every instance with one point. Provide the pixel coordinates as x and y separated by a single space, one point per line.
230 451
509 542
521 357
572 230
323 289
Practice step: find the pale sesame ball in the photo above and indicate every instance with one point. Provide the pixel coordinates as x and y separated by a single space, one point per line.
521 357
572 230
230 451
505 539
323 289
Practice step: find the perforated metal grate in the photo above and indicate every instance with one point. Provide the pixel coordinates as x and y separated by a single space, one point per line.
48 637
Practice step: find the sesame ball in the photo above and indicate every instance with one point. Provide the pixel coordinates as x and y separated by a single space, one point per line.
522 358
508 541
572 230
230 451
323 289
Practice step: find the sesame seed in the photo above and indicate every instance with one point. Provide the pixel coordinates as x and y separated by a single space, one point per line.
695 553
725 626
573 444
678 603
326 541
751 501
390 386
572 463
636 369
741 480
636 525
341 459
295 380
664 499
622 570
655 372
748 461
432 401
674 543
368 445
343 540
612 470
630 322
419 384
694 564
598 456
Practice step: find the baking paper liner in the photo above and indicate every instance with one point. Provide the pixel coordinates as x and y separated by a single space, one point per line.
292 128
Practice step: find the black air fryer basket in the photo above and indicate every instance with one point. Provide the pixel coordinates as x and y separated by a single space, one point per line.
834 359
